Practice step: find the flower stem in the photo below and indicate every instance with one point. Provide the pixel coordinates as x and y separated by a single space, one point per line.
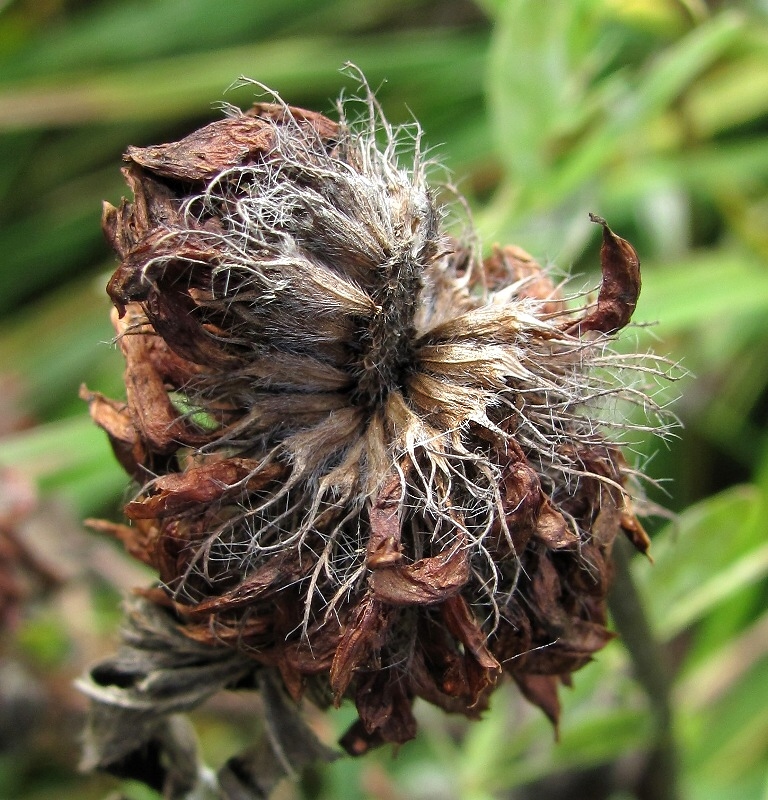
660 780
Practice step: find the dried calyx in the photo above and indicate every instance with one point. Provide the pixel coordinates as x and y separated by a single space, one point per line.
366 459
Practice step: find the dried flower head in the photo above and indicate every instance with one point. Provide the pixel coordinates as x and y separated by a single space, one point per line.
366 458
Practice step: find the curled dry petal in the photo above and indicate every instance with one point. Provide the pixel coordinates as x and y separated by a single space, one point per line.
427 581
620 286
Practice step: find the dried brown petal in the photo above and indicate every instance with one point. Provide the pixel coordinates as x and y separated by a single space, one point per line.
115 419
553 530
158 424
314 654
546 595
227 143
511 264
620 286
260 585
635 532
127 226
571 650
482 668
360 642
139 540
385 519
427 581
385 716
541 690
180 491
522 499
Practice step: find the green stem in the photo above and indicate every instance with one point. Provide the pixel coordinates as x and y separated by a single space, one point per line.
660 781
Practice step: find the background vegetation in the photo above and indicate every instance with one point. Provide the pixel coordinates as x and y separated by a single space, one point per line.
652 113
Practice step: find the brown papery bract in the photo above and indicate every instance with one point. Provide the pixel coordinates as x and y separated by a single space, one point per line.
366 457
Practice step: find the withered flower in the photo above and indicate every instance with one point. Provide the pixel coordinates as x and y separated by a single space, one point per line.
367 459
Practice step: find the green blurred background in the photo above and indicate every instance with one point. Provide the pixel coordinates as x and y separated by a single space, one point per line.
652 113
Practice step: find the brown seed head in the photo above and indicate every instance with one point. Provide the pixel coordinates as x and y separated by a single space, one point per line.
365 457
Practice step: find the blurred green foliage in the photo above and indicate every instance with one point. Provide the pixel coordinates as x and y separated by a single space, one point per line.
652 113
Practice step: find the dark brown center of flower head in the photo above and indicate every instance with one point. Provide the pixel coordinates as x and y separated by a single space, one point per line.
387 336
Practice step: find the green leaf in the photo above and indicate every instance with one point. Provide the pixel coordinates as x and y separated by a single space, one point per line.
704 557
60 342
71 457
733 95
538 73
737 575
543 88
598 739
736 729
703 290
163 89
129 31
